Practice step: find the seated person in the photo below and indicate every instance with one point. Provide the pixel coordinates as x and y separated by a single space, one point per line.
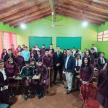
32 57
47 60
33 65
11 69
42 84
27 74
20 60
101 61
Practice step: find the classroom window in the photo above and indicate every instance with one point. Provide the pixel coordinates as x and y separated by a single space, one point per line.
0 43
9 39
103 36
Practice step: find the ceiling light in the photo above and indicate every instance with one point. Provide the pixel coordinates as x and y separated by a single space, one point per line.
23 26
85 23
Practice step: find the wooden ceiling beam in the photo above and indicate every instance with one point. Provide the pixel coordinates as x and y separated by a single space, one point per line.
33 19
19 8
82 10
22 13
22 20
52 6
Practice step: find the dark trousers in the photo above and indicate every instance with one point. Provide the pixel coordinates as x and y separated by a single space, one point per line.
55 73
4 96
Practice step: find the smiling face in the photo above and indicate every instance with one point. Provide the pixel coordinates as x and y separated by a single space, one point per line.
85 60
1 65
39 63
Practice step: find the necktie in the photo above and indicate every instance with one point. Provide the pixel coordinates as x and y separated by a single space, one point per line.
77 63
102 60
58 54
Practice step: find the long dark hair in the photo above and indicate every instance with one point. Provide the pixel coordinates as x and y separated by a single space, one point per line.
88 64
106 71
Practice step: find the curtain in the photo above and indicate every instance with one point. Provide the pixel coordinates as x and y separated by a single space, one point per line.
1 47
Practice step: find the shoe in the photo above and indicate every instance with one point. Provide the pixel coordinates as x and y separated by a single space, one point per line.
13 95
61 82
42 95
66 87
69 91
26 97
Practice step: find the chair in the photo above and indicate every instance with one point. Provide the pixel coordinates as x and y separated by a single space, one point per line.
87 94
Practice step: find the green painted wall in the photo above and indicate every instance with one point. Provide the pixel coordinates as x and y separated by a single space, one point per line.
103 46
72 28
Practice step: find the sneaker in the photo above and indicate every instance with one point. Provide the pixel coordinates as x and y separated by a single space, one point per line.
26 97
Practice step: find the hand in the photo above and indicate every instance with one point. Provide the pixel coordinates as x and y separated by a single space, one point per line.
81 80
13 77
71 73
58 64
49 68
44 81
27 78
33 66
3 88
77 71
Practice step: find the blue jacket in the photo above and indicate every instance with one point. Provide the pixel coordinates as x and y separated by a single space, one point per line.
70 65
26 55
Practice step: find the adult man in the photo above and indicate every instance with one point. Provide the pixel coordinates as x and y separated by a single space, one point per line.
69 67
58 64
94 48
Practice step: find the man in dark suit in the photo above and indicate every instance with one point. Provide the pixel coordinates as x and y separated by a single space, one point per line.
69 67
58 61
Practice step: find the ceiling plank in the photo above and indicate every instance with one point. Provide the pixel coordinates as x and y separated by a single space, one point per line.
52 6
22 20
22 13
19 8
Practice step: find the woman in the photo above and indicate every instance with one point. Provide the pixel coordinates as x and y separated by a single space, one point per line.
32 57
86 71
102 95
11 69
4 53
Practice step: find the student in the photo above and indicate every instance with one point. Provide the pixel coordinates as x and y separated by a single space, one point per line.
42 84
80 52
33 65
27 74
19 48
58 60
25 53
50 53
10 54
92 51
82 55
101 61
33 51
14 50
4 95
94 48
74 51
4 53
86 71
51 47
102 95
38 57
69 67
77 52
11 69
37 49
23 47
65 53
92 60
42 51
19 60
32 57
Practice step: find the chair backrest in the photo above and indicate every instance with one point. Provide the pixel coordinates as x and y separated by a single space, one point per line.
88 91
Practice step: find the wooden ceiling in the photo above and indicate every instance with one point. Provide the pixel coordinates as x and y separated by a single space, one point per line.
15 12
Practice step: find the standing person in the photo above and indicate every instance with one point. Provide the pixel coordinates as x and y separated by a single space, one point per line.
19 48
86 70
42 51
37 49
14 50
102 95
93 46
101 61
4 98
69 67
19 60
32 57
25 53
51 48
58 61
23 47
92 51
65 53
33 51
38 57
4 53
50 53
11 69
74 51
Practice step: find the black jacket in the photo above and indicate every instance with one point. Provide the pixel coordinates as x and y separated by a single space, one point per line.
57 59
70 64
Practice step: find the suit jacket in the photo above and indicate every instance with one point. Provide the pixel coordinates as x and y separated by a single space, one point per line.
70 64
57 59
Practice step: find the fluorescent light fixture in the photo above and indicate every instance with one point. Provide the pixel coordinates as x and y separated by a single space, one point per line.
85 23
23 26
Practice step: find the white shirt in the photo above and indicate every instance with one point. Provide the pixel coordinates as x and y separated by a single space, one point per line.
66 62
102 60
4 74
73 52
78 62
95 49
37 49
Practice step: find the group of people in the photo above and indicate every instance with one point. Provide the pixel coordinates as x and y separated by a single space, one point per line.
35 62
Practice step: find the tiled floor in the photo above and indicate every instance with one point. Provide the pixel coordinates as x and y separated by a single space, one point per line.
57 99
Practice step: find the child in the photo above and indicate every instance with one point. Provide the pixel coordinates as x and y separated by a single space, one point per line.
11 69
4 53
38 57
42 51
74 51
86 71
33 51
14 50
19 48
27 74
33 65
51 48
41 85
32 57
37 49
25 53
50 53
20 60
65 53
